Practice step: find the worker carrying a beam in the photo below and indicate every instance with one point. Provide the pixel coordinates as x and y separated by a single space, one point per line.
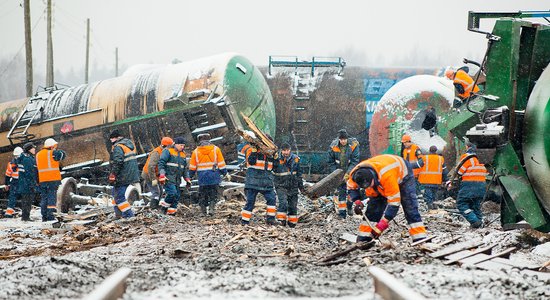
208 163
28 179
288 180
472 186
49 177
150 172
172 167
343 154
11 182
242 147
124 172
259 180
463 82
389 183
432 175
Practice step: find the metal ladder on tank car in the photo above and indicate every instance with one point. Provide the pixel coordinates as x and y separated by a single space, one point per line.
19 132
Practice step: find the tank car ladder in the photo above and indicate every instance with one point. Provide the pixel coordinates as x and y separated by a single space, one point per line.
32 111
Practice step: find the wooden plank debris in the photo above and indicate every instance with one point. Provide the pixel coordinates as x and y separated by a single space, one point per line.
422 241
356 246
389 288
476 259
465 254
327 185
455 248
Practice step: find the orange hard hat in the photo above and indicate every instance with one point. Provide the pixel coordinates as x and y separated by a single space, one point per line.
166 141
406 138
449 73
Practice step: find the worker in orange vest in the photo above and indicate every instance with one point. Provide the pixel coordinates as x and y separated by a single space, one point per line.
472 175
150 172
49 177
11 182
389 183
172 167
411 153
464 84
432 175
208 162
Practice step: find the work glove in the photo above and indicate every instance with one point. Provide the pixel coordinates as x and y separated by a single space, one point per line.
254 149
227 177
346 177
6 187
380 227
154 182
188 183
162 179
276 155
112 178
358 209
449 185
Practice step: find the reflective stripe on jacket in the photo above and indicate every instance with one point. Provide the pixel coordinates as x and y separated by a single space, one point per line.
414 156
207 160
12 170
47 165
471 169
352 154
258 173
391 171
466 82
173 165
154 172
124 163
287 172
432 171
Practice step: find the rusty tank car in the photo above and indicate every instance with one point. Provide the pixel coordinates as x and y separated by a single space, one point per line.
185 99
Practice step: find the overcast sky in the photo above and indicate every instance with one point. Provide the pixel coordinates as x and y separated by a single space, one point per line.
373 33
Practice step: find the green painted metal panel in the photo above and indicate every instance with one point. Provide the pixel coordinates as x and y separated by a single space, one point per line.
248 91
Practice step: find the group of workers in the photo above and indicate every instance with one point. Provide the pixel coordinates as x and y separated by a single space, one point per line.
374 188
30 174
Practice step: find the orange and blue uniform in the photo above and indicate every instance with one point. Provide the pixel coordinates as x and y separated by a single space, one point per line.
12 179
393 186
49 178
472 187
431 175
208 162
344 157
259 179
173 165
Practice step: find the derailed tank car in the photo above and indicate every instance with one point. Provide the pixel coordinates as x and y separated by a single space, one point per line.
185 99
509 121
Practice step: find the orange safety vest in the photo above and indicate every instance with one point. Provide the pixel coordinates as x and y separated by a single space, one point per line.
471 169
210 161
409 154
48 168
10 172
432 171
260 162
467 83
129 154
391 170
146 166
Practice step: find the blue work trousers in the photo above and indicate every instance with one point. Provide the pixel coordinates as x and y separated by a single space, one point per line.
469 199
251 194
48 199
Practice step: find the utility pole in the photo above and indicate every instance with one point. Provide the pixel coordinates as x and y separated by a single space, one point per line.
28 45
116 62
87 50
49 54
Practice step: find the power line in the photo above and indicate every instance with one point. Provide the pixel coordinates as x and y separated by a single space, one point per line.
22 46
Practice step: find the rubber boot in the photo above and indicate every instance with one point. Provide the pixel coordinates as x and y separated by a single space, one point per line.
203 209
212 208
283 223
154 204
26 205
271 221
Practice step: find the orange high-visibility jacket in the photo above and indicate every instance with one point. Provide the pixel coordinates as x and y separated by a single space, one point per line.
48 168
146 166
206 157
391 170
467 83
412 155
12 170
471 169
432 171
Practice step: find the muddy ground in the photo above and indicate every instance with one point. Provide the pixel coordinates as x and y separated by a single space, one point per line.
192 257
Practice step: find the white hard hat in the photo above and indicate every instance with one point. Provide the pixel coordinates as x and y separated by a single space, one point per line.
50 143
17 151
